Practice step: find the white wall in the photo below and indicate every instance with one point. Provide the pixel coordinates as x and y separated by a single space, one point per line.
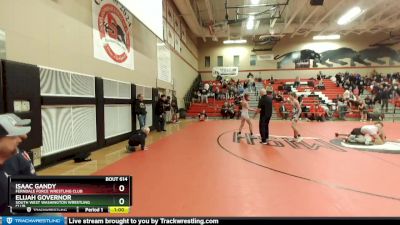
59 34
267 68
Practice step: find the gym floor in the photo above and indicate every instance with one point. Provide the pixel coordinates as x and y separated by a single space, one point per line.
203 169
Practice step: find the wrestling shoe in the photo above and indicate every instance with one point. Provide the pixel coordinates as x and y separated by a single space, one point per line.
299 139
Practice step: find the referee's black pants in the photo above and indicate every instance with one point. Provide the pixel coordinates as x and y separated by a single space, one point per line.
264 128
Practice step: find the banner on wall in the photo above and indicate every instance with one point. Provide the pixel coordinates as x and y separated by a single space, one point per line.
265 57
164 3
225 71
183 32
177 24
170 36
164 63
165 30
112 39
177 43
170 13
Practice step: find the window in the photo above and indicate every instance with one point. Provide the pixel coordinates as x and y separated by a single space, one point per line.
220 61
207 61
253 59
235 60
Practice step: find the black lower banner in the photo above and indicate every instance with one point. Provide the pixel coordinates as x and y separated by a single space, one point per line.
206 221
60 220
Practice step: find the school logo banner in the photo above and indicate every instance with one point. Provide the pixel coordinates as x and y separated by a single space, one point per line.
112 39
225 71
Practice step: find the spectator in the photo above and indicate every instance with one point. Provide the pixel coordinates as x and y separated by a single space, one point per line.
319 113
269 89
363 111
160 114
140 110
138 138
368 101
224 110
356 91
321 85
204 94
203 116
167 108
174 110
346 95
338 77
283 111
232 112
385 96
342 108
296 82
279 96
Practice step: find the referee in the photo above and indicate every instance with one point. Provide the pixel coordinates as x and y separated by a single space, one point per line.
265 110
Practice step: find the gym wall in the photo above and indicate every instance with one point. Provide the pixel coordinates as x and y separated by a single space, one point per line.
267 68
58 34
84 103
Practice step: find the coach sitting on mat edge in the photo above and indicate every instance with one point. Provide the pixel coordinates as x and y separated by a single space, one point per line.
138 138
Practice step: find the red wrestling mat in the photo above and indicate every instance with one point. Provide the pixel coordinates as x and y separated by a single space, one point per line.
204 170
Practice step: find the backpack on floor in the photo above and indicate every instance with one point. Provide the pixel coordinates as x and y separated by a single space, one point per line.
82 157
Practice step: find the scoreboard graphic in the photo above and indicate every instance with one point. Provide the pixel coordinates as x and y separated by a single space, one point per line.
87 194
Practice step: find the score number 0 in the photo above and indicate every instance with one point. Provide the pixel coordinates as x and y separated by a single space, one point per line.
121 188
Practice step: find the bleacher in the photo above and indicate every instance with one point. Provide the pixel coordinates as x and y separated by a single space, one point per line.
213 108
331 91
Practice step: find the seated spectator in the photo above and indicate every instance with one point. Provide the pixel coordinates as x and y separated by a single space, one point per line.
356 91
174 108
346 95
138 138
224 110
203 116
368 101
269 89
231 111
376 115
204 95
279 96
363 111
283 111
342 108
196 96
296 82
217 93
321 85
353 101
328 112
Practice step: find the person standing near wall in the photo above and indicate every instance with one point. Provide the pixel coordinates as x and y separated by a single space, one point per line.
140 110
167 107
385 96
160 114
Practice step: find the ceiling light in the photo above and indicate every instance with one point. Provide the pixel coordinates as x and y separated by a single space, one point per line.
250 23
327 37
241 41
349 16
255 2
